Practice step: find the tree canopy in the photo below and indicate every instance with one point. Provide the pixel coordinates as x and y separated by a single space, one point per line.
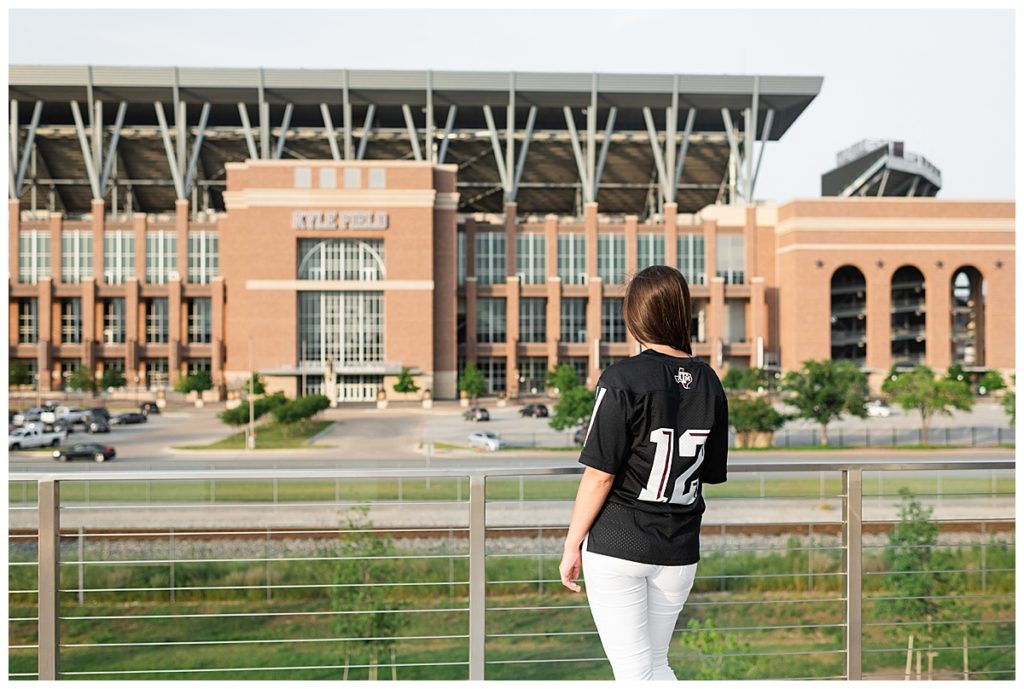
824 390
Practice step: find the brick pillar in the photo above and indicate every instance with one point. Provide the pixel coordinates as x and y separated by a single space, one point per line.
879 341
554 285
710 235
997 328
758 317
671 210
510 239
181 231
631 235
470 290
44 364
98 221
938 302
715 320
512 336
593 295
12 323
750 266
13 229
88 293
132 307
56 227
217 325
174 323
139 228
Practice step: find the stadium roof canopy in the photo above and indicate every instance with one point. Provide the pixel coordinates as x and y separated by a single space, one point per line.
146 136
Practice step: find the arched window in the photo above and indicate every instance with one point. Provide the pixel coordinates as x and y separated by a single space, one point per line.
848 314
907 318
968 317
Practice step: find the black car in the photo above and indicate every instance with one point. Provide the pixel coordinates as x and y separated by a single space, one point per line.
94 451
476 414
129 417
579 436
148 408
537 410
100 412
97 424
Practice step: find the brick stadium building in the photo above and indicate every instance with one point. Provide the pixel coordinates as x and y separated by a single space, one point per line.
354 223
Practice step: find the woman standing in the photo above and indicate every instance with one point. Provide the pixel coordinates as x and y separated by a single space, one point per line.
659 429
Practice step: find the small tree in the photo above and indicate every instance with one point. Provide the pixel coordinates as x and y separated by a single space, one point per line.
405 382
712 648
824 390
1009 402
573 408
562 378
19 374
890 379
197 381
256 384
919 389
754 416
83 379
737 379
240 414
300 409
472 381
112 378
956 372
990 382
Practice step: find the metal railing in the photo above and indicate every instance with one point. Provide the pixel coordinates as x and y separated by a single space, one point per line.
487 510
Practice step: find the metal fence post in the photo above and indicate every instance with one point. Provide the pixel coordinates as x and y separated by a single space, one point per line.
171 573
81 565
477 575
852 510
49 578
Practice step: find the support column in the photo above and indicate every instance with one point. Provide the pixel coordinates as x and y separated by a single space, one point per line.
56 227
217 324
750 266
131 330
554 285
879 338
758 318
98 221
997 328
670 232
44 362
631 235
937 305
710 240
594 293
88 293
512 336
181 231
13 230
139 229
470 287
174 321
716 323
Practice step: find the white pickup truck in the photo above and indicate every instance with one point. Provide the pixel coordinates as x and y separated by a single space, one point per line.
22 438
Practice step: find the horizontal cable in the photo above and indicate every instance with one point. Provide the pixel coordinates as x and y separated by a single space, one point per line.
961 544
259 588
931 622
934 648
715 577
943 673
267 559
259 669
188 533
128 644
949 520
250 505
23 619
943 571
23 646
937 597
680 630
710 550
945 495
309 613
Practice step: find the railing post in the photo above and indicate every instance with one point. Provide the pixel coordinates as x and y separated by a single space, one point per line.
852 510
49 578
477 575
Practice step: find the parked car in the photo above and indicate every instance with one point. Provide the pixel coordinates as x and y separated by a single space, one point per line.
72 415
97 424
23 438
878 408
148 408
94 451
486 440
31 414
579 436
536 410
129 417
476 414
100 412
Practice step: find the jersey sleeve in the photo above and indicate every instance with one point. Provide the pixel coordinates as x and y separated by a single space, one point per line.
607 442
716 452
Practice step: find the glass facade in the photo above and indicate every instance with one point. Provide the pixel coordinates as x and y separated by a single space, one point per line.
533 319
690 258
572 258
532 375
75 255
574 320
650 250
729 258
156 374
490 320
613 327
118 256
344 327
157 326
33 255
490 258
494 370
341 259
203 257
71 320
611 258
200 320
460 258
28 320
114 321
531 258
161 256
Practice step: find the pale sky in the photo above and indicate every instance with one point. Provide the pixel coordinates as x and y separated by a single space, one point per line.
942 81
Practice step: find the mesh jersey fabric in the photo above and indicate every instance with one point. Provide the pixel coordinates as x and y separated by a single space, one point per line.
661 425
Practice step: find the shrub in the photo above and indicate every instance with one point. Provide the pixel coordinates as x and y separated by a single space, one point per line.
19 374
405 382
240 414
300 408
197 381
112 378
746 415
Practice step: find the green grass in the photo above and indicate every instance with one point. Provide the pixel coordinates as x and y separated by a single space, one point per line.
270 436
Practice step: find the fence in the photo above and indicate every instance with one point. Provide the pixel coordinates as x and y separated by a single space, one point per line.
457 576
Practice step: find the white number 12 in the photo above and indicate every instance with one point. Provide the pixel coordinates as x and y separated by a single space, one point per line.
684 492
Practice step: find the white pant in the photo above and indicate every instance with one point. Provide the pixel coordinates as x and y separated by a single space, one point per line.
635 607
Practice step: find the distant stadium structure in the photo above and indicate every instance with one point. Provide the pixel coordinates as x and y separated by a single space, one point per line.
881 167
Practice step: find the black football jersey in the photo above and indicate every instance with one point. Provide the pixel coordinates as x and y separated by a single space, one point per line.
661 425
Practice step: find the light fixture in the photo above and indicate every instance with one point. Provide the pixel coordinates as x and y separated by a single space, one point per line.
879 263
999 264
819 263
939 264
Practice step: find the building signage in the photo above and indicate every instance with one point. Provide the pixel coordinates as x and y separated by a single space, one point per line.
340 220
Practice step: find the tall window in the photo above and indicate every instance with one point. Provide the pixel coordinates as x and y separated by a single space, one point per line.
490 258
200 366
203 257
613 327
572 258
33 255
611 258
650 250
531 258
490 320
729 259
157 372
341 259
345 327
460 258
494 374
200 320
690 258
574 320
533 374
533 319
28 321
157 320
75 255
118 256
161 256
113 321
71 320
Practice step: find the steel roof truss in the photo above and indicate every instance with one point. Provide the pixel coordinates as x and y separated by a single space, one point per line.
196 147
29 144
521 163
496 145
286 124
329 132
449 123
250 140
367 128
574 138
169 149
603 155
414 135
108 162
90 169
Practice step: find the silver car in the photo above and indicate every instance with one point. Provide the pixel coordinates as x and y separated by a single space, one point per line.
486 441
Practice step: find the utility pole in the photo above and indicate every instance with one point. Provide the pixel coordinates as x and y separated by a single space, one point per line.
252 389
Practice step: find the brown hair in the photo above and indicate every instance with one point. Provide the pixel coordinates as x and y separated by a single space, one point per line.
657 307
